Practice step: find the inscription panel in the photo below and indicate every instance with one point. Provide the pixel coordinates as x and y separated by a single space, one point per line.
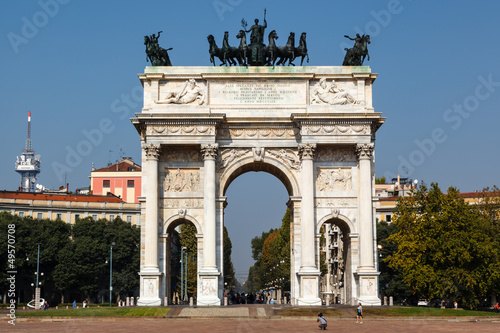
255 92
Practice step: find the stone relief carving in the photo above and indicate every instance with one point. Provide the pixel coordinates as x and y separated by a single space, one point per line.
181 180
258 154
184 203
336 203
181 129
332 154
181 155
365 150
190 93
209 287
288 156
227 156
331 94
336 129
334 179
258 133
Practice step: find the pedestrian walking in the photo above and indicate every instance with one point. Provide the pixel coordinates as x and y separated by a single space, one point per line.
45 306
322 321
74 304
497 307
359 316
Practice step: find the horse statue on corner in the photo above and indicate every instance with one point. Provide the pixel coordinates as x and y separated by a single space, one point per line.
301 50
356 55
155 54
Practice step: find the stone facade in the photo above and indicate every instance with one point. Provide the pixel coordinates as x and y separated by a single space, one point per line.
311 127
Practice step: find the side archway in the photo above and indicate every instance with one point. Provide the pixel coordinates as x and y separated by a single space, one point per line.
335 248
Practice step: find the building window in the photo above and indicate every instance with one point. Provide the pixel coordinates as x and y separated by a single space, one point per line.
388 218
130 183
106 183
77 217
129 218
111 217
39 216
21 214
94 217
58 216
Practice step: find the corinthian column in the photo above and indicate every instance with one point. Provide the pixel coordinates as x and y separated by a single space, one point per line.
306 152
209 226
365 152
151 243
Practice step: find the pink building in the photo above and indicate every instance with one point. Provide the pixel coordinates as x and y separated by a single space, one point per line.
123 179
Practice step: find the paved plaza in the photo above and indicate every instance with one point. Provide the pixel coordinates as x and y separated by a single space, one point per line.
256 325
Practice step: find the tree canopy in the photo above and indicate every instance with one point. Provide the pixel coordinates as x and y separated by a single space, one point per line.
445 247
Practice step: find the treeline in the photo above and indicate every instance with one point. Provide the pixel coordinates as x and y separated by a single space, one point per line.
442 248
271 252
74 259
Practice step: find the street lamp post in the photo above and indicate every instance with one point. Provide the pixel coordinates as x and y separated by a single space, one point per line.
111 273
379 255
37 287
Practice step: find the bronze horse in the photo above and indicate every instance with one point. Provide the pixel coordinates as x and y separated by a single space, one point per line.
356 55
215 51
157 55
243 48
287 52
271 50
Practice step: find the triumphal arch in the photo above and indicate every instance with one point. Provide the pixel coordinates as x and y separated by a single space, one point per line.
311 127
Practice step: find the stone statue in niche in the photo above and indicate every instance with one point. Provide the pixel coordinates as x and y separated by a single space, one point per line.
331 94
334 179
191 92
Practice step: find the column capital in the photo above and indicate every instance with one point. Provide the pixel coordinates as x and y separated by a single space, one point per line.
306 151
209 151
365 150
152 151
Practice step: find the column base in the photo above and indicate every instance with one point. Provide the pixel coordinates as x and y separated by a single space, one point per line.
309 287
368 288
150 288
208 287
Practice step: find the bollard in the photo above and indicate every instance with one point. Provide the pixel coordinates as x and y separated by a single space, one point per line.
390 301
131 301
225 300
57 307
191 301
67 307
128 301
385 300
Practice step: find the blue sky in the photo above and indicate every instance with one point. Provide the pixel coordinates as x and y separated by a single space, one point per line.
74 65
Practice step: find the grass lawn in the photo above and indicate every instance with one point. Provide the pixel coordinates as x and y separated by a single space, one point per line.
384 312
98 312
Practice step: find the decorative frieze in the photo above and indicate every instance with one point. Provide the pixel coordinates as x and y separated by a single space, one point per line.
191 93
327 203
258 133
338 179
184 154
181 180
334 154
181 203
176 129
329 129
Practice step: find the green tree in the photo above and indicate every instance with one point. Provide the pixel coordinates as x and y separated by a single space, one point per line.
188 240
229 278
380 180
390 280
444 249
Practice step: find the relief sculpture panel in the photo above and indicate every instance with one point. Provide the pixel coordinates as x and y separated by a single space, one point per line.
339 179
181 180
